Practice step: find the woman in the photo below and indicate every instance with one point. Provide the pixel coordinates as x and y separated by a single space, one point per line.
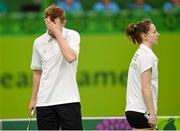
142 87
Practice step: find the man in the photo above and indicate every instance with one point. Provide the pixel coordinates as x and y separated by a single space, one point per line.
55 96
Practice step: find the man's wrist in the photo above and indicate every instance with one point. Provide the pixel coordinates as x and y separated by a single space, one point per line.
57 34
152 114
33 98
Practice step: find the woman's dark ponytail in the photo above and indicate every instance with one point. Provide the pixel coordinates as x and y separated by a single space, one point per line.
134 31
130 32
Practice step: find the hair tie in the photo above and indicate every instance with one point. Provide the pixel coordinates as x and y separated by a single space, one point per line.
135 26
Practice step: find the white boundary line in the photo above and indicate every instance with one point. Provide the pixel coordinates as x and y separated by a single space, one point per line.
111 117
89 118
84 118
19 119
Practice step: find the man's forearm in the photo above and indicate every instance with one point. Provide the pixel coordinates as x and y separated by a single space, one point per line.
66 50
36 82
53 29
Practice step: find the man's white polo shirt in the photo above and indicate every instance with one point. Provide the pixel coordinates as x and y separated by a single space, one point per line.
58 81
143 59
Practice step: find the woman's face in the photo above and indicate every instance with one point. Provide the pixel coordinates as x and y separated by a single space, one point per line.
152 35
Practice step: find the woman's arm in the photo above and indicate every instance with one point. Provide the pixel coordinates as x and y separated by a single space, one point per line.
147 95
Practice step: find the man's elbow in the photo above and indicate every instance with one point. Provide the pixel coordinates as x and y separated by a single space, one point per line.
71 59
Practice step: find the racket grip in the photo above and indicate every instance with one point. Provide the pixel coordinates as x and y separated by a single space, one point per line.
32 112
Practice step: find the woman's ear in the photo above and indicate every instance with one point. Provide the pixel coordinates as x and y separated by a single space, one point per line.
144 36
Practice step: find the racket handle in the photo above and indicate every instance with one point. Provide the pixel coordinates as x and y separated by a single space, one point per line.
32 112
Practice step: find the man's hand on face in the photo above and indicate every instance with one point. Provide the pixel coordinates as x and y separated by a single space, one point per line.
53 27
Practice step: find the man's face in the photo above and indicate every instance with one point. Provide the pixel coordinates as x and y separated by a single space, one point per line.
57 22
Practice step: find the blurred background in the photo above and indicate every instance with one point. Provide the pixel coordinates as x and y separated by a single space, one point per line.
105 54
